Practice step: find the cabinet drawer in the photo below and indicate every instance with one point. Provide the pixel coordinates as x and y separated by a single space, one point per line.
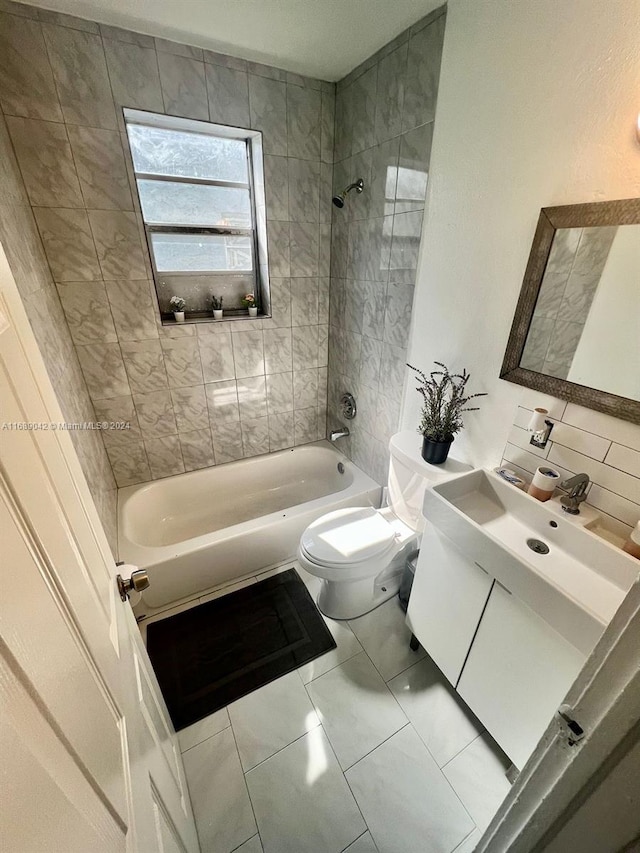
517 674
447 599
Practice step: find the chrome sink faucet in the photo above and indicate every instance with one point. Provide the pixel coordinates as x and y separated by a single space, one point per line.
576 486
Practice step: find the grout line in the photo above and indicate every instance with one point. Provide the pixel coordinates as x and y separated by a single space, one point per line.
244 780
367 754
358 838
205 739
282 748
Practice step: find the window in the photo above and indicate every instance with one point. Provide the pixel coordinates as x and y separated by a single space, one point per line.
197 190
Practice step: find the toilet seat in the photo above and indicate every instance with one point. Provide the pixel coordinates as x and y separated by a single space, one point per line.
348 537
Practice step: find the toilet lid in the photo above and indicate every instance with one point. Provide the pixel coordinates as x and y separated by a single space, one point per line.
347 536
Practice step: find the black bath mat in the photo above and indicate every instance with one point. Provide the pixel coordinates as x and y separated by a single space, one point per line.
217 652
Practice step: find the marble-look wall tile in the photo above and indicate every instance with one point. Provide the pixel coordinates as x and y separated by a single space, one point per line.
564 342
88 313
134 76
323 345
103 370
117 243
370 357
327 126
132 309
280 304
190 408
216 354
177 49
26 80
155 414
129 463
225 60
390 94
222 402
304 301
281 432
184 88
68 244
119 410
343 125
407 231
228 92
268 71
268 102
383 181
49 17
397 321
248 353
279 243
305 388
80 73
304 190
578 296
423 73
305 425
145 366
276 179
101 168
197 449
305 347
227 442
182 361
413 168
277 350
127 36
303 122
392 371
165 456
364 110
255 436
46 163
279 393
252 397
304 248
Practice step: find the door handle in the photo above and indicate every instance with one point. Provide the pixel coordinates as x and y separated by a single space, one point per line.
138 581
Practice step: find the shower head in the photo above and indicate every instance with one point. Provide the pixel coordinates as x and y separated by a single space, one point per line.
358 186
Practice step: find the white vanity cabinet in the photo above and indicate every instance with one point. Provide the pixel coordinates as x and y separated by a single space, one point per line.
517 674
511 668
447 599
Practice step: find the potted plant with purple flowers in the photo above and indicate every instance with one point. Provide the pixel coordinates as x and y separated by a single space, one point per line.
249 301
444 401
178 305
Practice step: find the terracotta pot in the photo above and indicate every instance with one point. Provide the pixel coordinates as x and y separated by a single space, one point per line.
435 452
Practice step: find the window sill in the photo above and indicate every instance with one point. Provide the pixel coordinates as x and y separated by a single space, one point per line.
196 319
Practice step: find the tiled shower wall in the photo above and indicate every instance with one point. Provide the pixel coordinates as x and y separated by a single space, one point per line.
23 247
385 112
195 395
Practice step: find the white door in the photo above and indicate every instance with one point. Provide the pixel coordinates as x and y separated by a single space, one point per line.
89 760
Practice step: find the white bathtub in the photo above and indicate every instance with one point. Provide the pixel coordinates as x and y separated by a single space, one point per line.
197 530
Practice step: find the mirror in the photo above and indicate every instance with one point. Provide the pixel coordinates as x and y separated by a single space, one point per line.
576 331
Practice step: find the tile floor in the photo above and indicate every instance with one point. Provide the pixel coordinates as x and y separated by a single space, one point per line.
364 750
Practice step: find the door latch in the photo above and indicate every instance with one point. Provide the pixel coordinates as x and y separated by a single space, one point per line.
575 731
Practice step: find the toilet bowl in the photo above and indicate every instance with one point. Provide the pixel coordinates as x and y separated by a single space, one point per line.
359 553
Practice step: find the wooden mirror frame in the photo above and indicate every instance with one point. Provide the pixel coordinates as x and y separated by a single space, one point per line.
622 212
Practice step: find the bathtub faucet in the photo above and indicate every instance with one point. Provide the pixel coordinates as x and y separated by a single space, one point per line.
335 434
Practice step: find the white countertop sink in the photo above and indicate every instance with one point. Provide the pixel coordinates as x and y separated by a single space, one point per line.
576 586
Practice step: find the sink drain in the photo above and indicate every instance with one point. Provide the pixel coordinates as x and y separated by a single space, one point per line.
538 546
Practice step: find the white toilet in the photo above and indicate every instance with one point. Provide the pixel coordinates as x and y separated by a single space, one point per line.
360 552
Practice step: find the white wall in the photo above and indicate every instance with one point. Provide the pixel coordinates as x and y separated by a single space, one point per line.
537 106
614 316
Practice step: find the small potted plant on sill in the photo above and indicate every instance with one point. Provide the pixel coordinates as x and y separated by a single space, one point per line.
444 401
178 304
249 301
216 303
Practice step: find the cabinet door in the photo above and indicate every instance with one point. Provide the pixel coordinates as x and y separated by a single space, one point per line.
517 674
448 595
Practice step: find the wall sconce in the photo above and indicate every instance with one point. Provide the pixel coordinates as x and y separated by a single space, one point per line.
540 427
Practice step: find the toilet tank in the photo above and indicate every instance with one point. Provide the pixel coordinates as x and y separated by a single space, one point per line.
410 475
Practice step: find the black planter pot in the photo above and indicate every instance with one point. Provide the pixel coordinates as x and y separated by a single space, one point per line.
435 452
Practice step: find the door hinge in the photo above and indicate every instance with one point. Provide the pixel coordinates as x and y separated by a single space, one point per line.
575 731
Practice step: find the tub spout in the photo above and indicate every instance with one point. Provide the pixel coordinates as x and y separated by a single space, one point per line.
335 434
